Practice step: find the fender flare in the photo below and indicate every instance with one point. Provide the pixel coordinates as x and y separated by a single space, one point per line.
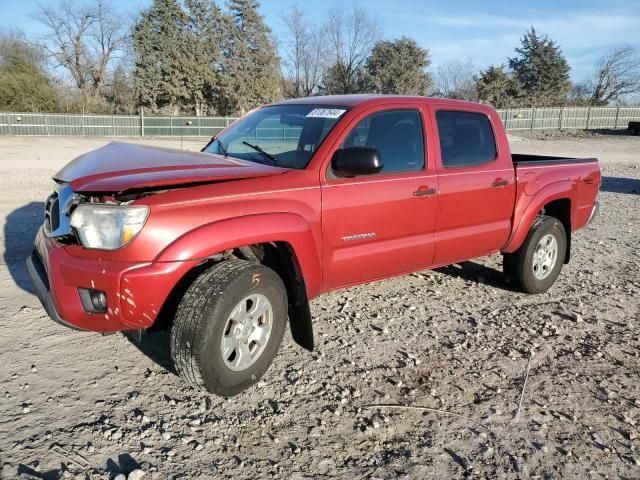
207 240
527 213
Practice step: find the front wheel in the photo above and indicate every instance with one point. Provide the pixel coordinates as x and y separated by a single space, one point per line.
229 326
537 264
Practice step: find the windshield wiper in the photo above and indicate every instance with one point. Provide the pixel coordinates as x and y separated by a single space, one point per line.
259 149
222 147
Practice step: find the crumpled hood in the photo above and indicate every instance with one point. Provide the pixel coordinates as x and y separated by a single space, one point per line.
118 166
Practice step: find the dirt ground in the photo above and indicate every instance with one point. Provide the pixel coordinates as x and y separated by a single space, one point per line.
456 342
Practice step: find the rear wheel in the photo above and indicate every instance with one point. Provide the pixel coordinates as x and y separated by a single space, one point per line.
537 264
229 326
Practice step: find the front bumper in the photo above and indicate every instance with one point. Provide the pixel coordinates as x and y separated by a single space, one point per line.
136 291
40 281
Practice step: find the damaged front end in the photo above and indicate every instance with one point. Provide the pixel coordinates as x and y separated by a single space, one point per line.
73 270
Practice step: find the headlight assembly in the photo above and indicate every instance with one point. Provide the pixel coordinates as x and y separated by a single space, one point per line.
108 227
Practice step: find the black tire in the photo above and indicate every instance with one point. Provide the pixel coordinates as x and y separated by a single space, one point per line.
519 265
202 315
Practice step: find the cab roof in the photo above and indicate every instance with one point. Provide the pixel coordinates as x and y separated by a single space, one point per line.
360 99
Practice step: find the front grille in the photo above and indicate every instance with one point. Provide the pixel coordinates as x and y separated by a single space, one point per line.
52 213
57 209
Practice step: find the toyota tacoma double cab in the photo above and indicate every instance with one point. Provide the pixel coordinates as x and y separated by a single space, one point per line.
228 245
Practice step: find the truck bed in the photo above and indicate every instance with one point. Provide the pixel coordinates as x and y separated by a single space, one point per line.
524 159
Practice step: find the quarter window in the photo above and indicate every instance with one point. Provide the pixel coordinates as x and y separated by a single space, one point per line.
466 138
396 134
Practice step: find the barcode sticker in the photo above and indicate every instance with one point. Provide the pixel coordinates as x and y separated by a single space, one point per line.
325 113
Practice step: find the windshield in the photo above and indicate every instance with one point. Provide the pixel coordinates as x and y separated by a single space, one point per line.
283 135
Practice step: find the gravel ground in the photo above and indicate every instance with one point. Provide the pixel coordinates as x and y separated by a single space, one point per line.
447 352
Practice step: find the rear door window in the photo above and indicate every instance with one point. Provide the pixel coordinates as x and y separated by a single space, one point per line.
466 138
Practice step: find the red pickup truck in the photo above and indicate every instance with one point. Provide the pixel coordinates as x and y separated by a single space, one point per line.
228 245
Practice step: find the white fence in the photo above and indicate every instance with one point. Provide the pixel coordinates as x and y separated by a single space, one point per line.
55 124
560 118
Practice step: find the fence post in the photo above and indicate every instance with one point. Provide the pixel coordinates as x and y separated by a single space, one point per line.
46 124
171 125
586 127
82 125
561 117
615 123
10 125
142 121
533 116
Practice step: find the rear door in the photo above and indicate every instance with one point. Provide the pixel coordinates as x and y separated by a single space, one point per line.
380 225
477 185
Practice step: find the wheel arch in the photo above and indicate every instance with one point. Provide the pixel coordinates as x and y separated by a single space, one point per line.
555 201
291 253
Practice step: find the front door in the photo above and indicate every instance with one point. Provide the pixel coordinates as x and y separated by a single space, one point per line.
380 225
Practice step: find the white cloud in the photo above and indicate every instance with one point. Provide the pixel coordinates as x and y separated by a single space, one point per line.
583 37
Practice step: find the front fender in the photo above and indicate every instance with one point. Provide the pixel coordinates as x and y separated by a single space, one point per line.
216 237
527 208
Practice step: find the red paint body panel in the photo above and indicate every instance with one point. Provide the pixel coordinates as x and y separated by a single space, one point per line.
342 231
131 303
403 225
469 207
580 184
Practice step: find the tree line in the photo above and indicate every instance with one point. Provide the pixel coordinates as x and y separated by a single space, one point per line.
198 57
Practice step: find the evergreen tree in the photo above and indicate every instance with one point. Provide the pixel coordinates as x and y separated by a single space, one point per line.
541 70
250 73
24 87
199 61
398 67
157 39
496 87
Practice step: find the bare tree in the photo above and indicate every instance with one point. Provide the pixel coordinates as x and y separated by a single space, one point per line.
351 37
305 56
617 75
455 79
83 39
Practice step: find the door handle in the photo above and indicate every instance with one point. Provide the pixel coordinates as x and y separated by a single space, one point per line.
498 182
424 192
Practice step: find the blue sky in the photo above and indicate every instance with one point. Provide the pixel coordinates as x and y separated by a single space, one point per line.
485 32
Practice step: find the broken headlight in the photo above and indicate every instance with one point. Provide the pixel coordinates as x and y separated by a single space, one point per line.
108 227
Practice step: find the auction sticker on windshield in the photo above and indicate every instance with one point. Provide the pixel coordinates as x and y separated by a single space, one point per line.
326 112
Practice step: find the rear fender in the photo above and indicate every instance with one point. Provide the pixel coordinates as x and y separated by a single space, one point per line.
527 211
216 237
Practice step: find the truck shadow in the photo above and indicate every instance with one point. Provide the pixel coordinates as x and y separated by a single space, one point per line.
124 464
620 185
25 471
477 273
20 229
155 346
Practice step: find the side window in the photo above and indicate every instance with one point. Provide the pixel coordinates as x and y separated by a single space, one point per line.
466 138
396 134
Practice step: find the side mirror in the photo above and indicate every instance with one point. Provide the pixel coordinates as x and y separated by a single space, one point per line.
353 161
